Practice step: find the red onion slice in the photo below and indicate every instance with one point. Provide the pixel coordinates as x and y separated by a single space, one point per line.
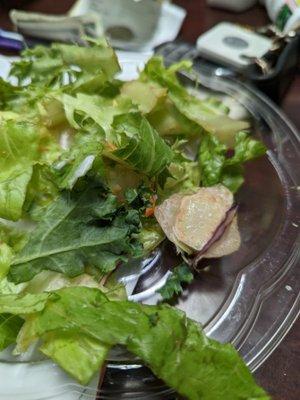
230 214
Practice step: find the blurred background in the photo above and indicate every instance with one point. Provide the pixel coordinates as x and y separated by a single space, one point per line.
254 41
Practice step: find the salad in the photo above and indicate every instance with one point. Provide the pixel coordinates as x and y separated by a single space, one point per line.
95 172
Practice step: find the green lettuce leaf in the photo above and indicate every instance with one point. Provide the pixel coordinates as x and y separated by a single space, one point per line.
169 121
7 92
175 348
217 167
6 256
205 113
67 348
83 108
21 304
145 95
19 150
10 326
84 153
139 146
151 235
76 230
50 65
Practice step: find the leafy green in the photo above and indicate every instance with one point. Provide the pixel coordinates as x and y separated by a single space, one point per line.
6 255
48 65
10 326
19 304
175 348
218 167
146 95
18 148
184 176
78 354
151 235
209 116
79 159
7 92
173 286
139 146
76 230
84 159
245 149
83 109
212 156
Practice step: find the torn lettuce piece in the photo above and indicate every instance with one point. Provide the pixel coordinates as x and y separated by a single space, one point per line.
212 119
19 150
83 109
10 326
79 159
217 167
21 304
139 146
151 235
50 65
67 348
6 256
146 95
76 230
174 347
169 121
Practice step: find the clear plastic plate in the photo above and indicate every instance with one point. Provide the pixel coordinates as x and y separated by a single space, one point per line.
250 298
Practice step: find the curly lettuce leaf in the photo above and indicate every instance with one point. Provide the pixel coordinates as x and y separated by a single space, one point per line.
77 230
217 167
62 64
139 146
174 347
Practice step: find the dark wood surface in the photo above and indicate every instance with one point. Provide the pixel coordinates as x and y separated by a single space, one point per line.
280 374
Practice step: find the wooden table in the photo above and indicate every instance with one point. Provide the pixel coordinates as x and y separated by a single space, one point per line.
279 375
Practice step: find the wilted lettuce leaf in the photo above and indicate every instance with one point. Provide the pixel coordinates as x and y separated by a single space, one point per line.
139 146
174 347
151 235
168 120
146 95
76 230
217 167
207 114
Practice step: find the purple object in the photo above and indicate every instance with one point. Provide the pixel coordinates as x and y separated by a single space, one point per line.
216 236
11 41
